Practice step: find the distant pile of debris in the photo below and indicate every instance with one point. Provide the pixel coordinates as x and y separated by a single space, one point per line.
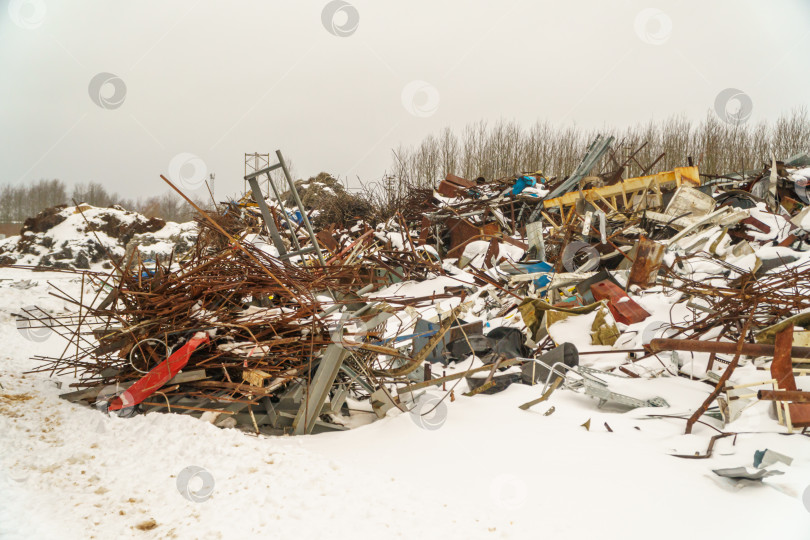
85 237
595 283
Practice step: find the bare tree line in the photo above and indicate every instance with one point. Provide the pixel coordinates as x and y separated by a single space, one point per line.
493 151
17 203
505 148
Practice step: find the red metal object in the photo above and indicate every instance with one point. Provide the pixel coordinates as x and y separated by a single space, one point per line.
782 371
624 309
453 186
159 375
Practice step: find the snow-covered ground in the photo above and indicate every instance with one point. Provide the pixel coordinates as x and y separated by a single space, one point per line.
486 470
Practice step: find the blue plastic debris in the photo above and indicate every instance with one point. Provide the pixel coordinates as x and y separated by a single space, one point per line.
522 183
295 217
537 267
149 269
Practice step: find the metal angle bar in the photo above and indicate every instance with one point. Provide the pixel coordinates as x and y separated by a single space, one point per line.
268 218
319 389
308 249
594 153
284 213
294 191
267 171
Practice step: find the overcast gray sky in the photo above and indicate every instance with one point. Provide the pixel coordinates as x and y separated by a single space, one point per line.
336 86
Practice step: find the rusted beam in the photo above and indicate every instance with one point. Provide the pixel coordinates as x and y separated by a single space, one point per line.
721 347
781 367
649 255
795 396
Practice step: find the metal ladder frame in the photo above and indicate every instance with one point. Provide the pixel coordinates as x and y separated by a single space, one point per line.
258 197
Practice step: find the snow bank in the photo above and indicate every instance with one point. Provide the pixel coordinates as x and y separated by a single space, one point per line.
85 237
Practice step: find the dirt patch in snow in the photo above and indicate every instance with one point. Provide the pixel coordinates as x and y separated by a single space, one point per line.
147 525
45 220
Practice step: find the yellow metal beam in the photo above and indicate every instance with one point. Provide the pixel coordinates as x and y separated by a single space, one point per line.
673 178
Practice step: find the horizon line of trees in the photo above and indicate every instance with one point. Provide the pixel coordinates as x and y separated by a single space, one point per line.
17 203
506 148
499 150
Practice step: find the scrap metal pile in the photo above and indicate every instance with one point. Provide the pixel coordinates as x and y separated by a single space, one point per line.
581 283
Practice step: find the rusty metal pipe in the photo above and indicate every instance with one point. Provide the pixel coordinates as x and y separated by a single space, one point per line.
696 345
794 396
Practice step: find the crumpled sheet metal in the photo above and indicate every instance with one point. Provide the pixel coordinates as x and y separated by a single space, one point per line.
603 330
